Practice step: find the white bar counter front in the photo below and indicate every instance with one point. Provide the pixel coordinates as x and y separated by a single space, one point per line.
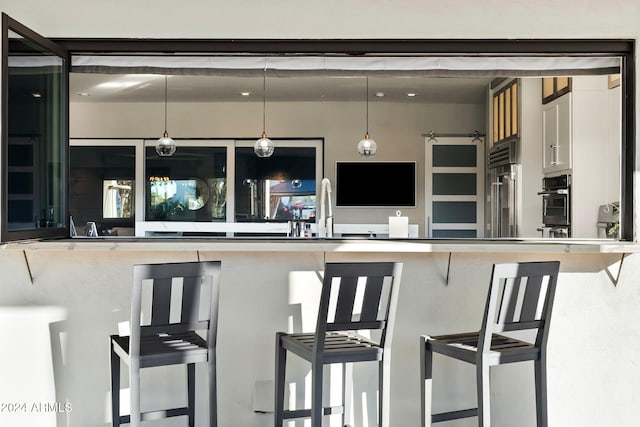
62 299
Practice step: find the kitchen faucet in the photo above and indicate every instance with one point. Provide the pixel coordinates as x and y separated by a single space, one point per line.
325 223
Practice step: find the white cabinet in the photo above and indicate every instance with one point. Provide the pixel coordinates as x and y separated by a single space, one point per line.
557 135
581 137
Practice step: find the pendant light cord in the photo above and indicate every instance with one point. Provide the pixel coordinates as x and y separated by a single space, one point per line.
367 115
165 103
264 103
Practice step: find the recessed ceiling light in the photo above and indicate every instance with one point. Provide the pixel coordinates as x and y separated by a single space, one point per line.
411 94
379 94
245 93
36 95
117 85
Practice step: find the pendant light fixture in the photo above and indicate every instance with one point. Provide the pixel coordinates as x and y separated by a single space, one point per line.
367 147
264 146
165 146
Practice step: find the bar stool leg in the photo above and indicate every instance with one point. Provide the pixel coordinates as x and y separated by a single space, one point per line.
317 377
281 362
347 392
191 393
134 392
540 367
426 372
115 388
380 392
213 389
484 395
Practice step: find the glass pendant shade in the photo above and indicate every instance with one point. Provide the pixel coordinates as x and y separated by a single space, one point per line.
165 146
367 147
264 146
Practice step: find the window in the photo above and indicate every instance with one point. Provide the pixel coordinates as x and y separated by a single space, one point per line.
189 186
34 135
555 87
190 192
505 112
102 187
276 188
472 54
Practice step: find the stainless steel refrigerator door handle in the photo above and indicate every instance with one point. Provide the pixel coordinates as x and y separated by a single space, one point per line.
495 219
513 209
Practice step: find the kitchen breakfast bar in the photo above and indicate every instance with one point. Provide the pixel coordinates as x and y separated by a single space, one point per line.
62 299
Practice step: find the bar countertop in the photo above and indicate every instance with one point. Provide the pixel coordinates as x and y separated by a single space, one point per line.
313 244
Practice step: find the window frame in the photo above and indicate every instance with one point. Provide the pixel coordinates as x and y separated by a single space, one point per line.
623 48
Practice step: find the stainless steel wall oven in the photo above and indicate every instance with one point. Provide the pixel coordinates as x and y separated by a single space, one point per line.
556 206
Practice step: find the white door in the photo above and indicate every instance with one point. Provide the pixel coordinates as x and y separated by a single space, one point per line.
454 187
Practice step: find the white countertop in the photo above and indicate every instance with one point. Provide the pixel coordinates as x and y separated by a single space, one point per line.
265 244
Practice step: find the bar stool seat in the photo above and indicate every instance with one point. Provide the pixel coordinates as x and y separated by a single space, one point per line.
464 347
168 349
339 347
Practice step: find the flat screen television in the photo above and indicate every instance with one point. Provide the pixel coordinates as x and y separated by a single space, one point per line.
376 184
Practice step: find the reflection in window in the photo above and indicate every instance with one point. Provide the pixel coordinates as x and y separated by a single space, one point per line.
117 197
280 187
291 199
188 186
170 197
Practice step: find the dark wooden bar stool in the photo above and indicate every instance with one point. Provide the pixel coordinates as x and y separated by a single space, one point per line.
184 300
520 298
355 296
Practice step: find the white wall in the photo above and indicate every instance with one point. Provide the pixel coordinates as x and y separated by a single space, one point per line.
331 18
595 146
531 157
396 127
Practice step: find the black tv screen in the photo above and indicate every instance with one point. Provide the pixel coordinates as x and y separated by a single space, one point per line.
376 184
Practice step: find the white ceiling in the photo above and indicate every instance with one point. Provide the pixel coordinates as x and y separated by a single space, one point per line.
181 88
